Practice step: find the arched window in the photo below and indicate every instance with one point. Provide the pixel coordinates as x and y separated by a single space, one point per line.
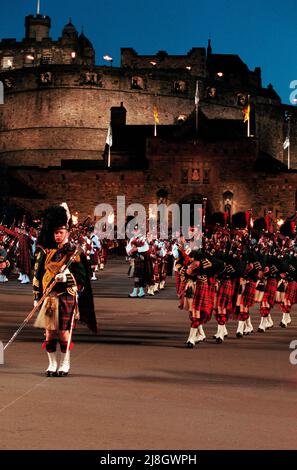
227 205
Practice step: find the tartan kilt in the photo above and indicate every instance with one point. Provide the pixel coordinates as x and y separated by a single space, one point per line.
225 295
156 265
139 267
182 288
248 296
270 291
164 269
213 292
177 282
291 292
202 301
67 304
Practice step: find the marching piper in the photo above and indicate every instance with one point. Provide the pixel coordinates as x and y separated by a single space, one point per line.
71 297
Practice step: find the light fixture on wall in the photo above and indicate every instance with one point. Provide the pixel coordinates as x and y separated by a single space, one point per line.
108 58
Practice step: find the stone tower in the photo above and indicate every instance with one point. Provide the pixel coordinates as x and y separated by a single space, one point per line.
37 27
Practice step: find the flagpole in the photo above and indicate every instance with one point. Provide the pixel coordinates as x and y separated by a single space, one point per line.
249 124
108 160
289 153
109 143
155 129
197 120
38 7
197 98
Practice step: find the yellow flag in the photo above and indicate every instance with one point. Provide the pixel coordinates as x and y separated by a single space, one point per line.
156 115
246 113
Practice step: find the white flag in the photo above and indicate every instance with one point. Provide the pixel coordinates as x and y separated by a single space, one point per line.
109 136
197 93
286 143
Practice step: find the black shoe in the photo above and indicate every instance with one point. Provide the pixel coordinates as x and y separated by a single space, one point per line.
50 373
239 335
283 325
219 340
189 345
260 330
63 374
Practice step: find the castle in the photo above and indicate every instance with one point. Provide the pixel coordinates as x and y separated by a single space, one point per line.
59 105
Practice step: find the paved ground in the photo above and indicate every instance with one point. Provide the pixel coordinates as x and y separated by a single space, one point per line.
136 386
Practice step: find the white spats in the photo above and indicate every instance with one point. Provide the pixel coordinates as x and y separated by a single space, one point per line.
200 335
263 325
64 364
286 320
225 331
192 338
240 329
25 279
220 334
150 290
52 364
269 322
248 328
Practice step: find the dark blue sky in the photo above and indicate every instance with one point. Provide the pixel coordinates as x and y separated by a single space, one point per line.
262 32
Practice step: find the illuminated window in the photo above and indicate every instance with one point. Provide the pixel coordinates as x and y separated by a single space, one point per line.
46 59
137 83
7 62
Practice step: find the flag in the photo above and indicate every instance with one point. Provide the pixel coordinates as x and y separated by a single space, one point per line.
156 115
197 99
109 136
246 113
286 143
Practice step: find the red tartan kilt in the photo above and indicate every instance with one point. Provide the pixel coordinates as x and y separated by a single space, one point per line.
270 291
248 296
225 294
177 282
66 309
156 265
164 270
182 287
203 300
291 292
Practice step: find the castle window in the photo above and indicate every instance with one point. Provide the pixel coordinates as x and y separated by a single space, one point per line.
211 92
195 175
181 118
241 99
46 59
206 173
180 86
137 83
7 62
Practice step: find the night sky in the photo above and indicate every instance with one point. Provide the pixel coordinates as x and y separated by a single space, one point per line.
262 32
